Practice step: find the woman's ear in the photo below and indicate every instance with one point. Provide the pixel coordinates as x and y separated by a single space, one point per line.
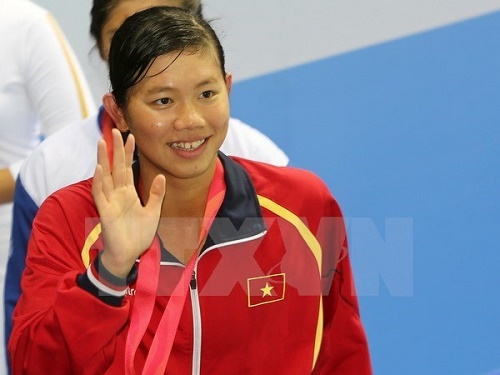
229 82
116 113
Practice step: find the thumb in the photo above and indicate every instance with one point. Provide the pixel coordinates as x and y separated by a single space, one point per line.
156 193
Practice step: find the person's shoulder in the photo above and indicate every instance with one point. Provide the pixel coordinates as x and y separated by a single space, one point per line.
22 10
73 197
268 177
33 25
65 145
31 8
246 141
63 158
71 204
241 127
291 189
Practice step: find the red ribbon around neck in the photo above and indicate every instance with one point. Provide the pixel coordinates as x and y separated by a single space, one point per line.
147 286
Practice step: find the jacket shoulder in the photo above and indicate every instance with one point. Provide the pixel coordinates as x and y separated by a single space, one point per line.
299 189
74 200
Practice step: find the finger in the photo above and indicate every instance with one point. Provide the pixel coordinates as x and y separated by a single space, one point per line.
97 188
129 158
102 155
119 168
156 194
106 181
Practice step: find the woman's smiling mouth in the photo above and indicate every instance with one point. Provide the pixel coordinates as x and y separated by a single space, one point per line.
187 146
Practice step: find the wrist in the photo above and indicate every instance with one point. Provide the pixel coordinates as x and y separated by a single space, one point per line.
115 269
109 288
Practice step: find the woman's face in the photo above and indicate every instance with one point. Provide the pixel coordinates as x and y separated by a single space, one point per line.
179 114
124 9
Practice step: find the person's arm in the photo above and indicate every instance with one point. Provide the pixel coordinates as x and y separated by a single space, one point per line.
24 212
344 347
56 84
58 325
6 186
62 159
61 297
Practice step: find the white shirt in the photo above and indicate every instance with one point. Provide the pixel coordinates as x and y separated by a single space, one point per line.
42 89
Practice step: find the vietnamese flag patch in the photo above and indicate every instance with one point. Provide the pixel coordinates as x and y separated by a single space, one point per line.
265 289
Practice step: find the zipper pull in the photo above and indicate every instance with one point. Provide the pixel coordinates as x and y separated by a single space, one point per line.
193 283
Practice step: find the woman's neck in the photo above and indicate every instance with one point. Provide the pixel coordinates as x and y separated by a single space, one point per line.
184 197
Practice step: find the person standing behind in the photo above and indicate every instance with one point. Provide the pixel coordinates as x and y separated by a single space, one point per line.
42 89
69 156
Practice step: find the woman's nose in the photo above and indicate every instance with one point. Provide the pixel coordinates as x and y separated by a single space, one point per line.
188 116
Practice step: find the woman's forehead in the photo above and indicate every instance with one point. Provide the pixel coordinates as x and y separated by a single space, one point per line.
203 59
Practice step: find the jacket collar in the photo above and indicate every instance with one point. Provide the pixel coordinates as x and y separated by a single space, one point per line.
239 217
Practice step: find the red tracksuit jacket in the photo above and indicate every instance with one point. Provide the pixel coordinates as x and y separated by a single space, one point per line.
272 290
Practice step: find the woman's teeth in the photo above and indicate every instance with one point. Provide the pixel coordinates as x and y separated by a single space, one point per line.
185 146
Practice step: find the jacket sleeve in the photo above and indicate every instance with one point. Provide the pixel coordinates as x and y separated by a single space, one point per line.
58 326
24 212
344 346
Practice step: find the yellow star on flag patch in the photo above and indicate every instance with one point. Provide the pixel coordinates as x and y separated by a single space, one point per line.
266 291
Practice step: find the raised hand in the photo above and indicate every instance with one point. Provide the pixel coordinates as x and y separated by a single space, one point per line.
128 227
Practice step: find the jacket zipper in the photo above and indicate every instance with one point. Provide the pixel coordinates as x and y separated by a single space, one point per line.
195 306
195 302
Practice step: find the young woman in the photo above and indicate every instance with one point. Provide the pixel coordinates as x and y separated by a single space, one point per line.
69 156
186 261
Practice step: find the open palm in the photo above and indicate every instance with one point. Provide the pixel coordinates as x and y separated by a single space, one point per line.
128 227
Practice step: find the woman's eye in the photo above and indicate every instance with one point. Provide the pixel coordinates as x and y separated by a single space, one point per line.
207 94
163 101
